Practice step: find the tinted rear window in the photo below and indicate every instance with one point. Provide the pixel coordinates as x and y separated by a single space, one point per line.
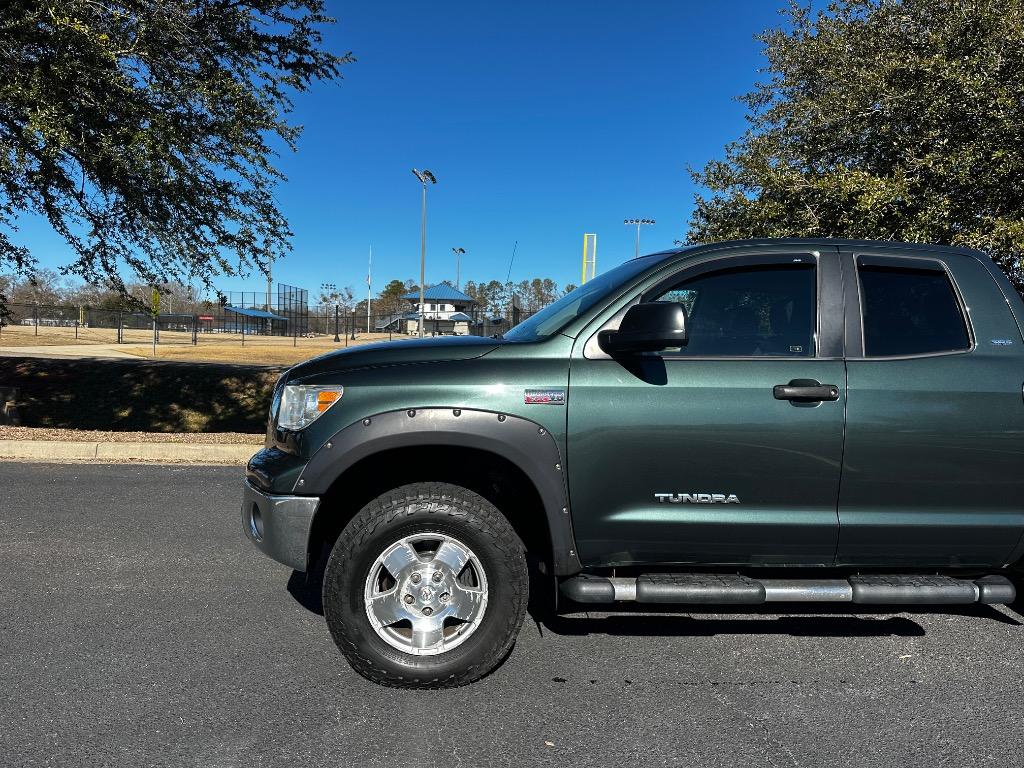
910 312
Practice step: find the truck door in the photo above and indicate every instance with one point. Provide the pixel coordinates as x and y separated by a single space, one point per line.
933 469
706 454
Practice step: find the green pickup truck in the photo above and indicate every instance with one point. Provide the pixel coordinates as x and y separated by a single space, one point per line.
738 423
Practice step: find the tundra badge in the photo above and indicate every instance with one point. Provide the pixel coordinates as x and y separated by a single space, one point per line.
697 498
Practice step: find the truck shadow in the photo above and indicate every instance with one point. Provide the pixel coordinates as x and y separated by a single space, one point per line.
774 619
307 589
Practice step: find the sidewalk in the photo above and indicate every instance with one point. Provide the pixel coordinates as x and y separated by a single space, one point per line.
58 445
69 351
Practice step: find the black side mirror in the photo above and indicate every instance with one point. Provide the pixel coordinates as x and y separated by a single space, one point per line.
649 327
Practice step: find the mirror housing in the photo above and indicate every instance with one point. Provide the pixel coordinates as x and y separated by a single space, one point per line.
649 327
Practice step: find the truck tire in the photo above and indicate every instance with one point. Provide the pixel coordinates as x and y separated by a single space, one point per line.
426 587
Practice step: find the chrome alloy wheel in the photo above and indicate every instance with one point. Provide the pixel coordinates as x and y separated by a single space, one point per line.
426 594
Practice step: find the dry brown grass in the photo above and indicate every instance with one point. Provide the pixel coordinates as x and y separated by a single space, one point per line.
227 348
26 336
177 345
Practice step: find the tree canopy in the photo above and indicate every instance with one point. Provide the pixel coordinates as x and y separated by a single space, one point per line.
145 131
882 119
389 300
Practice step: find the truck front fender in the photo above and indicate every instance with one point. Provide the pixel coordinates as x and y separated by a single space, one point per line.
526 444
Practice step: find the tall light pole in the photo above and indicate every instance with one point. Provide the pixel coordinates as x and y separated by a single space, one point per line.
639 223
458 264
270 268
330 291
424 176
369 288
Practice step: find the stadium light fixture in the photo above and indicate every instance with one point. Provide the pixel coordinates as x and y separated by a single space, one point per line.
638 223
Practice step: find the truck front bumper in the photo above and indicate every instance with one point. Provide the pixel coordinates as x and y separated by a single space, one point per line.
279 526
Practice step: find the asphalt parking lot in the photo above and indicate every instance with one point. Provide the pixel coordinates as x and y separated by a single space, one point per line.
139 627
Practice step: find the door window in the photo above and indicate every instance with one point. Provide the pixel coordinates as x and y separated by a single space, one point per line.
910 311
751 311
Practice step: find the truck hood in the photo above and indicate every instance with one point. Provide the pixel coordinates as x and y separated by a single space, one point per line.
438 349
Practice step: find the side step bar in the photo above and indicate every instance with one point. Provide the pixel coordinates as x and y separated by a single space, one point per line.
734 589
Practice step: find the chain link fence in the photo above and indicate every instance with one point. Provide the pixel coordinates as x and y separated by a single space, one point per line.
46 325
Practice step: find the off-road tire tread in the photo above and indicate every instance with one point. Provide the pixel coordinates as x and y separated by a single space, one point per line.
441 499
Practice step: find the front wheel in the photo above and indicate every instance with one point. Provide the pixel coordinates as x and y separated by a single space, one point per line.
426 587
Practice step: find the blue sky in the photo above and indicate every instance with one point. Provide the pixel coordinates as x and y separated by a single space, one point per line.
541 121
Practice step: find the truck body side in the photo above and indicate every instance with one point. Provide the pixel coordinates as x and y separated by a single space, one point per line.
919 461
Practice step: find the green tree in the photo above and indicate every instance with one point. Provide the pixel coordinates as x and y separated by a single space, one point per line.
389 300
144 131
883 119
544 290
523 292
472 290
494 296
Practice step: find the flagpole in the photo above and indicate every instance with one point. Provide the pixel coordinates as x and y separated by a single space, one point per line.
369 289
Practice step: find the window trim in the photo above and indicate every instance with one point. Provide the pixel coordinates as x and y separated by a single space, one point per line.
922 263
827 282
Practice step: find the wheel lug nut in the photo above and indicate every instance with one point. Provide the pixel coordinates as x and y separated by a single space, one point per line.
445 597
416 578
409 599
427 611
438 576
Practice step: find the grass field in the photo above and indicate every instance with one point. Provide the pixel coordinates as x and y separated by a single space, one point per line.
26 336
177 345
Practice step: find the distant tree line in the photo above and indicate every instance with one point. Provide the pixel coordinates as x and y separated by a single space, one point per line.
46 287
493 297
535 294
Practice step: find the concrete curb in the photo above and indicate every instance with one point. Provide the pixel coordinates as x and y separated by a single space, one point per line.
47 450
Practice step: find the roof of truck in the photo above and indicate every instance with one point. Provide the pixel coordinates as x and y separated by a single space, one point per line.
823 242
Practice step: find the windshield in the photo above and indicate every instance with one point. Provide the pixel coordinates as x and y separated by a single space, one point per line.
556 316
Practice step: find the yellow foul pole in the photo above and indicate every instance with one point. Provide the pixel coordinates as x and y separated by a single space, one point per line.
583 278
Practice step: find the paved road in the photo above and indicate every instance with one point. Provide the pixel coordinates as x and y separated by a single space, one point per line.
138 627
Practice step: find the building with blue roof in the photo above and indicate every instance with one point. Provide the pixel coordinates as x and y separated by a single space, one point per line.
441 292
446 311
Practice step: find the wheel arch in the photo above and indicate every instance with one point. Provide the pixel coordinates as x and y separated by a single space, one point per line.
513 462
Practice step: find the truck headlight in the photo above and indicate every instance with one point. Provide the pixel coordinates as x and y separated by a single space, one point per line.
301 405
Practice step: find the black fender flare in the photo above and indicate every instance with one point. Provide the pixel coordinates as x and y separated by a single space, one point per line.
526 444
